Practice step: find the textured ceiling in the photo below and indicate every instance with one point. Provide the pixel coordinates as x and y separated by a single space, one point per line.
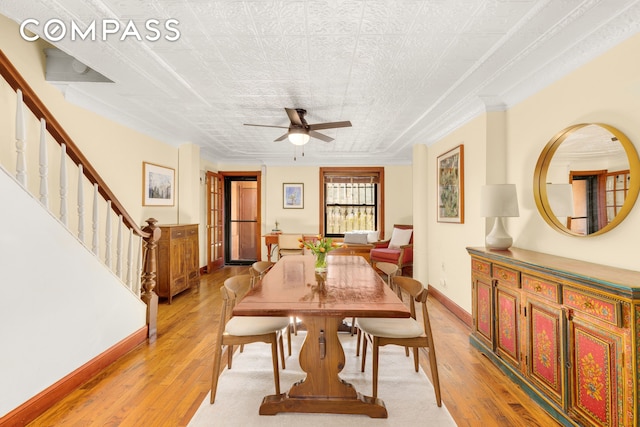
403 72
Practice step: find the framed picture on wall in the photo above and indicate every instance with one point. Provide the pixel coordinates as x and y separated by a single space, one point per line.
158 185
451 185
292 196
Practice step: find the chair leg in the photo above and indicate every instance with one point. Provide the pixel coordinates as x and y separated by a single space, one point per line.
353 325
288 340
229 356
364 352
416 359
216 372
358 334
375 346
274 358
281 344
433 364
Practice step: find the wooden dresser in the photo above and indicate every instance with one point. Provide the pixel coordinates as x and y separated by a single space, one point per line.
566 331
178 259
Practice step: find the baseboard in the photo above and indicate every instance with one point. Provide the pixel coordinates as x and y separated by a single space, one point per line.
458 311
34 407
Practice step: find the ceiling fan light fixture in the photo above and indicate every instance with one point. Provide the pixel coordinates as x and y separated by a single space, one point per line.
298 136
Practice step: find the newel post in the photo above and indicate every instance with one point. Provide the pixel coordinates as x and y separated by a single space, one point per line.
149 272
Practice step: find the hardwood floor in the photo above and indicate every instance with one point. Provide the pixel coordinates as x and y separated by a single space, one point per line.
163 383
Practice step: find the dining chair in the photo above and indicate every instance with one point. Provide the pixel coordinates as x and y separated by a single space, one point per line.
289 244
240 330
390 270
406 332
258 270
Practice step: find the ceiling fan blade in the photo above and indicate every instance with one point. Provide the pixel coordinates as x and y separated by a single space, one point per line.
294 116
330 125
267 126
318 135
282 138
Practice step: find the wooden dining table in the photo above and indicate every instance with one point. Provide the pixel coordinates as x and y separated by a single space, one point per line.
349 288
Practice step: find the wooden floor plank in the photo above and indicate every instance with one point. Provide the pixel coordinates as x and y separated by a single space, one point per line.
163 383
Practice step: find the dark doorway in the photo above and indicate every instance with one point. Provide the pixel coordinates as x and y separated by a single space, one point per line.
242 219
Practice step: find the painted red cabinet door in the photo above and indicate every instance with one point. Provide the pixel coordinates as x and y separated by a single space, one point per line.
483 309
595 380
507 315
545 359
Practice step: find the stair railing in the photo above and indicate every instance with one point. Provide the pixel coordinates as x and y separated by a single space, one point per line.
141 268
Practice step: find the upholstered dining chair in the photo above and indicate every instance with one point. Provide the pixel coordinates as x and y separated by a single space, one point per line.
390 271
240 330
406 332
259 269
397 250
289 244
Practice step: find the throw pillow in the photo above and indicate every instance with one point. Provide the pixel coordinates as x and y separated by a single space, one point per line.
400 237
355 238
373 236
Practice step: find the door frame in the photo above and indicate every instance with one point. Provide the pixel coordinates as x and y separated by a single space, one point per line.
258 177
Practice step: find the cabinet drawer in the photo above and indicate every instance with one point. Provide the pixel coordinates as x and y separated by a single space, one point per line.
541 288
598 307
192 230
177 233
481 266
506 275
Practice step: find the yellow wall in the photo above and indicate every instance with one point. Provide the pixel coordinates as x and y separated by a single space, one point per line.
606 90
115 151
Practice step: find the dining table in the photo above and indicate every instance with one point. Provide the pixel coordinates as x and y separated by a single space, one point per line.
348 288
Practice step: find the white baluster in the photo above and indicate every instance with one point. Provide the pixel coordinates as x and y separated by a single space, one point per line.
44 165
94 243
80 203
21 163
138 275
107 249
63 184
129 280
119 248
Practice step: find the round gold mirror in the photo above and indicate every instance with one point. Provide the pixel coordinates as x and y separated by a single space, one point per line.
587 179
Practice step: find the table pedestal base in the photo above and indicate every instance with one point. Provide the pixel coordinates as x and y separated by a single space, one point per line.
322 358
365 405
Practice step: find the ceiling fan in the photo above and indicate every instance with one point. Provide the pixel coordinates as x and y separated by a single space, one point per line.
299 131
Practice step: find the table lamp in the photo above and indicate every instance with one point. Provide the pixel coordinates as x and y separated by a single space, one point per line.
498 201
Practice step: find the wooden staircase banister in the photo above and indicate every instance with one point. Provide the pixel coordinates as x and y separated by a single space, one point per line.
37 107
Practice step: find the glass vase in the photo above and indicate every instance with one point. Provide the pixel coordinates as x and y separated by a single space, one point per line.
321 262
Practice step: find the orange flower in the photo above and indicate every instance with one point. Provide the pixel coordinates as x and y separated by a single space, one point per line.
301 245
322 249
319 236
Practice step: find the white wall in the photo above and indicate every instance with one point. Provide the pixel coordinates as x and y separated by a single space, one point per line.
60 306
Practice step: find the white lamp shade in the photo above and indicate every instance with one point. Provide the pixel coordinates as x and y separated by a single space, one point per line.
298 136
499 200
560 198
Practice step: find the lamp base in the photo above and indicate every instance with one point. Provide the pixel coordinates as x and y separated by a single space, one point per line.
498 238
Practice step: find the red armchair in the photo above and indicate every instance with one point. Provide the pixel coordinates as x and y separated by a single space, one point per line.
397 250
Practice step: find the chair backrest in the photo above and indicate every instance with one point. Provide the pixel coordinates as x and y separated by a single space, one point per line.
289 241
259 269
418 294
389 269
233 289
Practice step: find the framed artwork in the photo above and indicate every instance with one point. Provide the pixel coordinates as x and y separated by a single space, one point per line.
451 186
158 185
292 196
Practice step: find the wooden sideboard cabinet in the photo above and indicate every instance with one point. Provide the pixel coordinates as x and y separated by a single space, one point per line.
566 331
178 259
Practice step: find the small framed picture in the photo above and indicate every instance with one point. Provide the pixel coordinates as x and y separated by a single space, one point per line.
451 185
158 185
292 196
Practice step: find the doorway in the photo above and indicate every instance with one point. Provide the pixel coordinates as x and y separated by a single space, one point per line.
242 218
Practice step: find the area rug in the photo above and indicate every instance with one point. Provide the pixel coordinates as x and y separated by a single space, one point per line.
408 395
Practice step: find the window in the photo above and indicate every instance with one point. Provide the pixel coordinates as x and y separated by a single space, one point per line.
351 199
